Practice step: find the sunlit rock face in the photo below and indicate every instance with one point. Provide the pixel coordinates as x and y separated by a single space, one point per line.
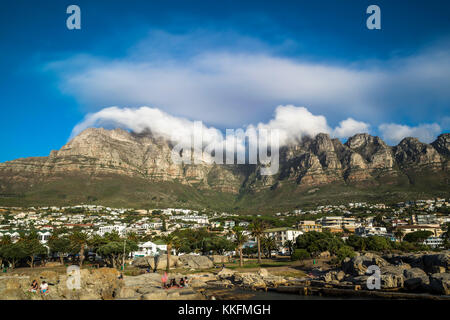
312 161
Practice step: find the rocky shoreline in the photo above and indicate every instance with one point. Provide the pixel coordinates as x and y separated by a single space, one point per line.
402 276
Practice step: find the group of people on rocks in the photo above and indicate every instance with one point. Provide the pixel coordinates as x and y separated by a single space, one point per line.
172 283
35 287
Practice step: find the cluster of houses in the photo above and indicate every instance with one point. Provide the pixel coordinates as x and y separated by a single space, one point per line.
428 215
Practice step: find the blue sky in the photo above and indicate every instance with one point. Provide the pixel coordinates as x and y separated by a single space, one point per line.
227 63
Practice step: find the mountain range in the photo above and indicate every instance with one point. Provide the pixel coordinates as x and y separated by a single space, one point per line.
122 168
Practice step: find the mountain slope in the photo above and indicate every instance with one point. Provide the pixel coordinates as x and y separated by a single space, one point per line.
120 168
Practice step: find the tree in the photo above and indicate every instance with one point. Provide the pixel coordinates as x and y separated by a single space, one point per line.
344 252
316 242
446 235
13 252
399 233
78 243
170 239
356 242
220 244
31 246
417 236
114 251
239 241
377 243
290 245
257 230
59 245
300 254
268 244
132 236
4 242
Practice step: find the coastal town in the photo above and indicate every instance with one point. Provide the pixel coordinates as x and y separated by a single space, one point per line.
389 221
125 253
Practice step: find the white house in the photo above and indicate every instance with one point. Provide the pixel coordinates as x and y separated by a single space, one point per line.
282 235
44 236
120 229
149 249
434 242
371 231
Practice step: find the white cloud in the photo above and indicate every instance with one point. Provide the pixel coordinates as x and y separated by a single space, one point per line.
145 118
350 127
228 86
291 122
393 133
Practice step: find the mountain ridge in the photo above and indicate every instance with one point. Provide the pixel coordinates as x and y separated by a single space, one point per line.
97 156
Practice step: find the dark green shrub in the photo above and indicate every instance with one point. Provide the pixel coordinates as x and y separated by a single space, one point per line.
300 254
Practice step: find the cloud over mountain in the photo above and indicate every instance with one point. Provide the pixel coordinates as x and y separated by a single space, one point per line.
228 86
292 123
393 132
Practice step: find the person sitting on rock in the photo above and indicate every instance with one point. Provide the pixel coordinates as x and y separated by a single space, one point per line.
44 287
34 286
173 283
185 281
182 282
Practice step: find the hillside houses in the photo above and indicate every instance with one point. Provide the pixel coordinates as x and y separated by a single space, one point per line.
360 218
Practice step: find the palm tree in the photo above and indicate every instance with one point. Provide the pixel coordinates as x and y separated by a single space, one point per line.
239 240
268 244
170 240
290 245
399 233
257 230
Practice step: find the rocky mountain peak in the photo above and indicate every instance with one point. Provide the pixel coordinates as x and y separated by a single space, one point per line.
322 143
411 150
97 154
442 144
362 140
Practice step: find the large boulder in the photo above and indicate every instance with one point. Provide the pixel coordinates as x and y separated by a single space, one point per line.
225 273
431 261
263 272
359 280
144 262
333 276
160 261
95 284
416 278
127 293
196 262
249 279
219 259
390 280
413 259
357 266
440 283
